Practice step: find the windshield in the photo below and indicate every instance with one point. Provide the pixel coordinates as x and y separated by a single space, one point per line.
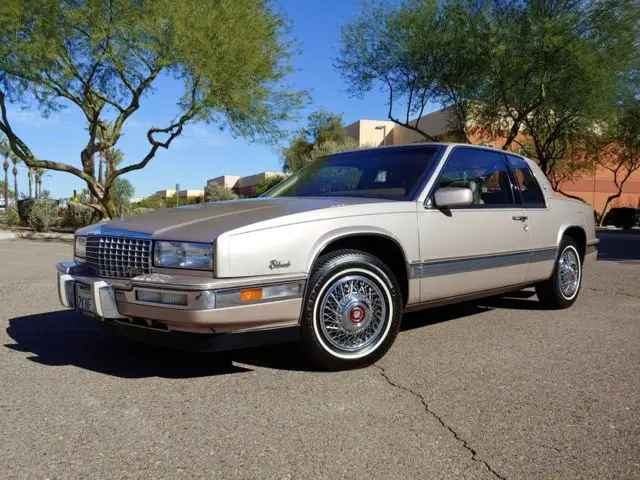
389 173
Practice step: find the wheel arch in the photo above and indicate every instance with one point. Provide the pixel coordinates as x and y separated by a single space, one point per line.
579 235
380 244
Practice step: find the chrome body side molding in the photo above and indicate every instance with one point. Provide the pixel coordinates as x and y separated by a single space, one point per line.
435 268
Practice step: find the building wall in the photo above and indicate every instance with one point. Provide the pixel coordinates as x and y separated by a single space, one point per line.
227 181
166 193
242 185
372 132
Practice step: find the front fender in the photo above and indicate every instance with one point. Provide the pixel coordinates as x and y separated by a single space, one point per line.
345 232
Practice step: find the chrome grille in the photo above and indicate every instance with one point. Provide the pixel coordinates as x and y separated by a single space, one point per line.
118 257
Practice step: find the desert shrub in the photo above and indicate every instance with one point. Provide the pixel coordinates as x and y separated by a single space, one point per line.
42 214
215 192
12 217
153 202
141 210
24 207
267 184
77 215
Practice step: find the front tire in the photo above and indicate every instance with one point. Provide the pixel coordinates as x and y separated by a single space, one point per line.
352 310
561 290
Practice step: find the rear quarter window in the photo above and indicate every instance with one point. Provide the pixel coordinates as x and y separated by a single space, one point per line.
525 183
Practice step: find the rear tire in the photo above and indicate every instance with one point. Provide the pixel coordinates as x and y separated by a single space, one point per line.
562 289
352 311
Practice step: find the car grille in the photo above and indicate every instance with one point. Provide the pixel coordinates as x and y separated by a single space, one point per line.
118 257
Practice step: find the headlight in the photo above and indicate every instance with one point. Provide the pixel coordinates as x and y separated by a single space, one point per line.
198 256
80 247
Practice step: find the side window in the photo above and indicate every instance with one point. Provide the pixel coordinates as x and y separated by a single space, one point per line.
526 183
482 171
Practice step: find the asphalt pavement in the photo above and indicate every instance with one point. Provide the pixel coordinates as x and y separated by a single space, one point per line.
490 389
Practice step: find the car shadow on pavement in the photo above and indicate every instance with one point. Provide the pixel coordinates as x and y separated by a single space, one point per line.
520 300
66 338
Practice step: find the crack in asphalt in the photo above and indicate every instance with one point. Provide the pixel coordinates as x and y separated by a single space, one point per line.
462 441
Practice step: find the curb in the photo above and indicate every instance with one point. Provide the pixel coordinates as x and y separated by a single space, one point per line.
36 236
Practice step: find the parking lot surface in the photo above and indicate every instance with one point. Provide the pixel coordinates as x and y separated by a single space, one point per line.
490 389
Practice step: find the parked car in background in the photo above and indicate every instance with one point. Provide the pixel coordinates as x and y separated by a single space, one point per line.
622 217
336 253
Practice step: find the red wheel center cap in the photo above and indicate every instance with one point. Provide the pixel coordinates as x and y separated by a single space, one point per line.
357 314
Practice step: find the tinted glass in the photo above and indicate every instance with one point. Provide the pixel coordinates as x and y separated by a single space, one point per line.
483 172
530 192
379 173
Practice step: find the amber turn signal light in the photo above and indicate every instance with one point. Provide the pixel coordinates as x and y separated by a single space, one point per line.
251 295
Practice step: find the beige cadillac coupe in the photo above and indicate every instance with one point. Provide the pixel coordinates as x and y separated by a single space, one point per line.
335 254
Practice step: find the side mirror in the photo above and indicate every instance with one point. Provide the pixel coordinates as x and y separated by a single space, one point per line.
453 197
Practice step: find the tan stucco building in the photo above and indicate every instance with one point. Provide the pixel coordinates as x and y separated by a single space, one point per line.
187 194
242 185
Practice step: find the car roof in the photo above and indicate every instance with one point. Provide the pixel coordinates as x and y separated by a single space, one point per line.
412 146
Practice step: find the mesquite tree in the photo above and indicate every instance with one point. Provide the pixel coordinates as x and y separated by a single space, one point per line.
104 58
509 70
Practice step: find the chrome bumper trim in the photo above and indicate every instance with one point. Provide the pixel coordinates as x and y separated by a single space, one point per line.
202 293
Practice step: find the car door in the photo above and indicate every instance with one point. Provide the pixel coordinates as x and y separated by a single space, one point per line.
477 247
543 226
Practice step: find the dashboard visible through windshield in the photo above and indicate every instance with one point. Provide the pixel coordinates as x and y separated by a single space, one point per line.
393 174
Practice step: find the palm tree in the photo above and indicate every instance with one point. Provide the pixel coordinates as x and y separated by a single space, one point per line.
30 175
15 160
38 173
5 151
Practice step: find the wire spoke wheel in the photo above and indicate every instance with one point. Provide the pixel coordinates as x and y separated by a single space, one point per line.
352 314
569 273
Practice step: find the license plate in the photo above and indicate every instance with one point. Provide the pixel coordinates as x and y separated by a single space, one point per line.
84 299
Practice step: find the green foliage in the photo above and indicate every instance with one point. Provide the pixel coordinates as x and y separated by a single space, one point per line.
172 202
615 147
122 191
215 192
24 207
229 57
77 215
267 184
141 211
324 134
153 202
42 215
12 217
548 69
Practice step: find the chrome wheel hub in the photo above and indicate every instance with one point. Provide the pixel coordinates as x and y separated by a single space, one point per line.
352 313
569 273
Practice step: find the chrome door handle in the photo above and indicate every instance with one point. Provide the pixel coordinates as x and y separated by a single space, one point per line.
520 218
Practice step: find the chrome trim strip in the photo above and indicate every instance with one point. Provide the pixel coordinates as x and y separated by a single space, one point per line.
451 266
595 241
166 282
71 268
114 232
544 254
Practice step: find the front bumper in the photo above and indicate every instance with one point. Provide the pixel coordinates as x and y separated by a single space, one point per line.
206 305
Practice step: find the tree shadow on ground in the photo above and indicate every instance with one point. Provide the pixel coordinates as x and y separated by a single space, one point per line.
66 338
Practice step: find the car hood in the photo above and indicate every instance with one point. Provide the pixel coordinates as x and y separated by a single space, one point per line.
205 222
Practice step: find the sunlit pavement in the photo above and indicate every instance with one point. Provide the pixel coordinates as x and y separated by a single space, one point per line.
492 389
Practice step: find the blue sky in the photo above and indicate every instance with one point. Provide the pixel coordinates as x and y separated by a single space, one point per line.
203 151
